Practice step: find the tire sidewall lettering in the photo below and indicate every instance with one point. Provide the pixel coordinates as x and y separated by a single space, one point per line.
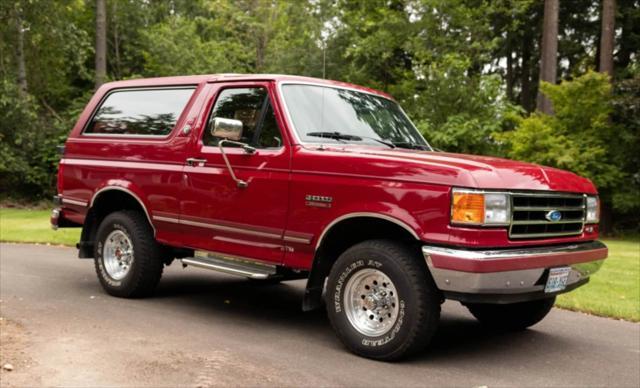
338 300
388 337
337 296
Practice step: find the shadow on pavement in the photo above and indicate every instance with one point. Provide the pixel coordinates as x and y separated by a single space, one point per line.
279 307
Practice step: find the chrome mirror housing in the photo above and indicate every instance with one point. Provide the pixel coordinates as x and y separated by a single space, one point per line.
229 129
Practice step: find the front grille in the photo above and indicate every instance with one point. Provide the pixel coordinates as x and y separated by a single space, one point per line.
529 211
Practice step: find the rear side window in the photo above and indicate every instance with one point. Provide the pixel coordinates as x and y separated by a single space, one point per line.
143 112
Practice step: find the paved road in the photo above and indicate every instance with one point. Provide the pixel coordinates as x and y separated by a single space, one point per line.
206 329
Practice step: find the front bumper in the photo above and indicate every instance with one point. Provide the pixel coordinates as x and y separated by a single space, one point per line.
510 275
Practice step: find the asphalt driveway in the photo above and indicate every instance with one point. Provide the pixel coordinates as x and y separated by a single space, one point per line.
206 329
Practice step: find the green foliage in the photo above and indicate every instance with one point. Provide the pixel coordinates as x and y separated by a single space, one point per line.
466 72
26 156
625 144
576 137
428 55
165 51
462 113
580 136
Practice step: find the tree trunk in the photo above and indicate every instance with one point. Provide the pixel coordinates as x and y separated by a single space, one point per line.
607 36
22 68
526 99
261 45
101 42
116 41
549 52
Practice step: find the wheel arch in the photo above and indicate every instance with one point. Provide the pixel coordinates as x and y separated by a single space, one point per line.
111 197
358 227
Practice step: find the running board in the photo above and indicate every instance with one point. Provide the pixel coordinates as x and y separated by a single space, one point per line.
230 264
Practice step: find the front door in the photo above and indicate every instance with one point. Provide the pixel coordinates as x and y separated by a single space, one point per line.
217 213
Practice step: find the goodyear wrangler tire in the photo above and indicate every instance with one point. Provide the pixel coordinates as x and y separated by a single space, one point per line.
127 258
382 301
514 316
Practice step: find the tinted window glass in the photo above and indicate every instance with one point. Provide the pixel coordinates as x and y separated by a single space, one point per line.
252 107
140 112
316 110
269 133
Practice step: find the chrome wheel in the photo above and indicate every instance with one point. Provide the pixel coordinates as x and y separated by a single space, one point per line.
117 254
371 302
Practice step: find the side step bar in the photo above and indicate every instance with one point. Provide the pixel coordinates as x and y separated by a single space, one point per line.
230 264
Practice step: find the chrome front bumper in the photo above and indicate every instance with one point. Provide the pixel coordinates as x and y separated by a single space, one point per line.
509 275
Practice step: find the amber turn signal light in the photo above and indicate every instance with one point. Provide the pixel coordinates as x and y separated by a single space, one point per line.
467 208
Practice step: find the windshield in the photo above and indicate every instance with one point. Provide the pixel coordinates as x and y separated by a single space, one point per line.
323 114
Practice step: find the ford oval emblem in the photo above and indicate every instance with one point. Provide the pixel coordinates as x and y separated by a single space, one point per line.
553 216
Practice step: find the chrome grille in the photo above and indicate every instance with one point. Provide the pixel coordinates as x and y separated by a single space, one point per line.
529 210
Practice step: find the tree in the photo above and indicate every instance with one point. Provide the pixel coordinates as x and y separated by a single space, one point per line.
210 49
625 119
22 68
101 42
579 137
549 49
607 36
464 70
629 40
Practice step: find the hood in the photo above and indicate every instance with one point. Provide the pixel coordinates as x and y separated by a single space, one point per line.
481 172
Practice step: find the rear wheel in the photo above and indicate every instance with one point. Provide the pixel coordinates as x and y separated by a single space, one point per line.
382 301
514 316
127 258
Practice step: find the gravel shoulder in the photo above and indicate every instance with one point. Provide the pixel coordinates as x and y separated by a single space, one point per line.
203 329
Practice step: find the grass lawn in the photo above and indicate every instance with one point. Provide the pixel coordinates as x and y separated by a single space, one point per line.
23 225
612 292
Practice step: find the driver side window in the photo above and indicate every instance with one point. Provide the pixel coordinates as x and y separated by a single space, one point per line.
252 107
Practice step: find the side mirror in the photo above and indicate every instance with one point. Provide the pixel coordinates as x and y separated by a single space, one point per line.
229 129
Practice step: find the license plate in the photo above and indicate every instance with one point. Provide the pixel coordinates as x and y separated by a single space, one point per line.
557 280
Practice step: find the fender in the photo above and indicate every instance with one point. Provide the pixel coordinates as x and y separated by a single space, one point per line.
320 267
365 214
85 246
129 188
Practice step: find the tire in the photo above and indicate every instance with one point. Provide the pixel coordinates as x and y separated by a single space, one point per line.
512 317
127 275
410 302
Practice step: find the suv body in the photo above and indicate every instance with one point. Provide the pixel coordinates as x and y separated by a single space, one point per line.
246 174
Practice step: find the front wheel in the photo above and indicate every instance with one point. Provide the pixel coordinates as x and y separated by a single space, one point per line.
514 316
128 260
382 301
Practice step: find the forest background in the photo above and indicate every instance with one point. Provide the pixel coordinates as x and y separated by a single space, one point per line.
555 82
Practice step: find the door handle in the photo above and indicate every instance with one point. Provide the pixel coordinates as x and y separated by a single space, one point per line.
196 162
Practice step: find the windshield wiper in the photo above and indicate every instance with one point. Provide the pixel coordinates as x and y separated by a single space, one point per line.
345 136
412 146
334 135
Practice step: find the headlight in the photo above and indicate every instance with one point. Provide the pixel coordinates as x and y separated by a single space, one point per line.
480 208
593 210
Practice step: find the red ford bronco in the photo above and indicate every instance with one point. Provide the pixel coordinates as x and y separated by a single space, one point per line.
279 177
